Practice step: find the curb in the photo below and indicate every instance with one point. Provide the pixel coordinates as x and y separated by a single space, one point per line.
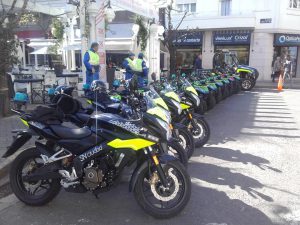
4 169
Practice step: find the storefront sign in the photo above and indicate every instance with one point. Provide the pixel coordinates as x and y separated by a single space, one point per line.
188 39
232 38
287 39
266 20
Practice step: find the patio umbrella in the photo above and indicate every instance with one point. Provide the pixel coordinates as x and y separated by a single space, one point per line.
41 51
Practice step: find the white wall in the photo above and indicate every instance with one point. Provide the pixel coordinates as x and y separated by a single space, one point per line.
261 54
207 50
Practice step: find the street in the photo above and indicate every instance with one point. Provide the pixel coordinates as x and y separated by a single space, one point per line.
248 174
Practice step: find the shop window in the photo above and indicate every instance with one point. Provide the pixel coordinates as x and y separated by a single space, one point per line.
185 58
295 4
225 7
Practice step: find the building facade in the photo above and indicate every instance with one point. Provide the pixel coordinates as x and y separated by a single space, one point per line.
256 31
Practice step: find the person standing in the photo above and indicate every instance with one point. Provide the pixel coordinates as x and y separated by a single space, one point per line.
143 71
276 68
287 67
198 62
129 66
91 61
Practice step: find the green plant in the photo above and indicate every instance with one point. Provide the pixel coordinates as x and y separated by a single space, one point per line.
143 34
57 29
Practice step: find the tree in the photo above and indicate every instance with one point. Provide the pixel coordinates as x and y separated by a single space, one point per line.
9 21
171 33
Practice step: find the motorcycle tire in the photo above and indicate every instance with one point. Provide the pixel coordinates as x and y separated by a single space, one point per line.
219 96
226 91
177 176
186 142
247 84
18 186
175 149
201 138
211 101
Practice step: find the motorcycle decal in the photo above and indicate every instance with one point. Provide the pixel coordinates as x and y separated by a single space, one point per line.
243 70
135 144
184 106
173 96
159 113
89 101
160 102
24 122
191 89
90 153
127 126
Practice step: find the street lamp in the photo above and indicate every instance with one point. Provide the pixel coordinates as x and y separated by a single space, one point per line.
109 12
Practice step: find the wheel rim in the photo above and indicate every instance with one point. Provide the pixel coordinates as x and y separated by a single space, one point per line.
164 197
183 141
199 132
246 84
32 189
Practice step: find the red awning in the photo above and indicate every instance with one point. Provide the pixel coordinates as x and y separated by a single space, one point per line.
27 34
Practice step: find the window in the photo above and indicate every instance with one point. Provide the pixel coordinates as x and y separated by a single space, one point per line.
295 4
191 7
225 7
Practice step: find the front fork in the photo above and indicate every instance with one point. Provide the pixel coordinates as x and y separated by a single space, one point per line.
158 166
190 119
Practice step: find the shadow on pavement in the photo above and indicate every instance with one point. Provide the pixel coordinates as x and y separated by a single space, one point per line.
236 156
223 176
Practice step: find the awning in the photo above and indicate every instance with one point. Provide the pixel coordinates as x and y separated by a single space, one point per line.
41 51
39 43
118 45
72 47
121 30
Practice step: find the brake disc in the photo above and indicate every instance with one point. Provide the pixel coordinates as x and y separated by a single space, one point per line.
153 184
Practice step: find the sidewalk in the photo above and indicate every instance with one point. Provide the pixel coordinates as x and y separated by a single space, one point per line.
269 84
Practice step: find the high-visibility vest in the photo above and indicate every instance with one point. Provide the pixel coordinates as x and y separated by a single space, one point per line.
94 58
139 65
131 63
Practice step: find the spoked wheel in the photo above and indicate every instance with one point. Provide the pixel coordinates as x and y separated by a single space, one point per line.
187 142
163 201
31 193
176 150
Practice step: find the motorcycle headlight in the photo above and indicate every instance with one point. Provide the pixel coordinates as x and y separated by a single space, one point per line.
196 99
178 106
166 127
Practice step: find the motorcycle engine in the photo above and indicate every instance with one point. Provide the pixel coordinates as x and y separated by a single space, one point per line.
93 178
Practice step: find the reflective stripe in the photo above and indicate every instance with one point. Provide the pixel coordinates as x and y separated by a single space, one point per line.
94 58
139 65
135 144
131 63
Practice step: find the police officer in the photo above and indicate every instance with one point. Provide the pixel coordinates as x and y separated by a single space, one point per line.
129 66
92 63
143 71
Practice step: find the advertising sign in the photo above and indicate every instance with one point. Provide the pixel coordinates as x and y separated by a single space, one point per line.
232 38
287 40
188 38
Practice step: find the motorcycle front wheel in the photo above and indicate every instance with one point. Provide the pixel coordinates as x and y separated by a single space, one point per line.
186 141
31 193
176 150
160 201
201 131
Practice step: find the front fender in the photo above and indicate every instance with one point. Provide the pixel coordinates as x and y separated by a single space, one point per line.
21 138
163 159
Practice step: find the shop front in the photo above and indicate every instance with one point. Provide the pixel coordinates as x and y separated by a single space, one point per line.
288 45
236 41
188 46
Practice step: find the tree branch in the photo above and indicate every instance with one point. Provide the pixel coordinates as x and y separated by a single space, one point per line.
183 17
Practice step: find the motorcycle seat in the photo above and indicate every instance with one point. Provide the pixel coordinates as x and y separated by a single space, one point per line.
70 133
84 118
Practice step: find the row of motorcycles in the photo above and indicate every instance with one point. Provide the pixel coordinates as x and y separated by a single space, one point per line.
213 86
86 149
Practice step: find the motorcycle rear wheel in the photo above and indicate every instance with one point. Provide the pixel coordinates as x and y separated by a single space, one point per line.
32 158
